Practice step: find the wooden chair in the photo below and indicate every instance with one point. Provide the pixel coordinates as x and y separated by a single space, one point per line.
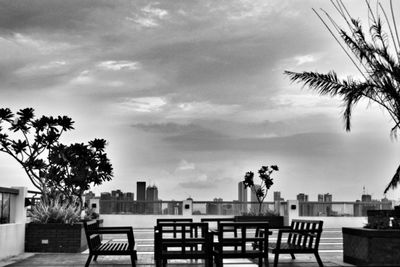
240 244
96 247
303 236
182 240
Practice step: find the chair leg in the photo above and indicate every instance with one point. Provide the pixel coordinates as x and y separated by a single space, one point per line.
318 259
260 262
293 257
276 259
89 259
158 263
165 262
133 260
95 257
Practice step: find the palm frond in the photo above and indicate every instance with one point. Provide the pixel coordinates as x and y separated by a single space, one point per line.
395 181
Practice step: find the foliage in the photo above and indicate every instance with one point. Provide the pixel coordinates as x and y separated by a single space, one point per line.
260 190
90 214
52 166
56 210
376 56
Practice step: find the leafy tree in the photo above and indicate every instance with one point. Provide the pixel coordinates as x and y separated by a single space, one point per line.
261 190
376 56
51 166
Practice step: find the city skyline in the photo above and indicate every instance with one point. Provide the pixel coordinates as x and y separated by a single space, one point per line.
191 95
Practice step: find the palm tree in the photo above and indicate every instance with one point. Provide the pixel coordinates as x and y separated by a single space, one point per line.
376 56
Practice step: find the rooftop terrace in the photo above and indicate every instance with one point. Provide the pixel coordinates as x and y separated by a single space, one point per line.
330 252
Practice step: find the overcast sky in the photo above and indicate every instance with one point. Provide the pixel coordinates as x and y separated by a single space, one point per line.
191 94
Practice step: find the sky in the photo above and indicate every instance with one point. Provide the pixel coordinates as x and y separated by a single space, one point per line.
190 95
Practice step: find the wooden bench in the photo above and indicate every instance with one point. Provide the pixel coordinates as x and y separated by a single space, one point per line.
96 247
302 237
240 243
182 240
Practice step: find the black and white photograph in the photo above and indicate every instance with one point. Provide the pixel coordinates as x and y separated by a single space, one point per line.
199 133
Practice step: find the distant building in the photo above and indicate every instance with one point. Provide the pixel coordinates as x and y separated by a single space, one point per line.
327 197
141 196
366 198
302 197
277 196
242 197
320 198
152 204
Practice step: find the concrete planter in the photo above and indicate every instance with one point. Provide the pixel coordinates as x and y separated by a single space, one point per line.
371 247
274 221
55 238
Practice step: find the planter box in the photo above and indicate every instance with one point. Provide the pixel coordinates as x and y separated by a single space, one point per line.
55 238
371 247
274 221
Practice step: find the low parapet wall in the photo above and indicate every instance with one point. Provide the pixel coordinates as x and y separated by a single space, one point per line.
149 221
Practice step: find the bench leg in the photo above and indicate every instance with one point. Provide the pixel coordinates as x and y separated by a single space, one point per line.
276 259
89 259
133 260
293 257
158 263
318 259
95 257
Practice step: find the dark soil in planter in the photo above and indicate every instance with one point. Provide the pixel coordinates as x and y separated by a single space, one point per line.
55 238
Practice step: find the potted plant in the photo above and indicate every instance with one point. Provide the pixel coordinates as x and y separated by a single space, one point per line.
261 191
376 56
60 172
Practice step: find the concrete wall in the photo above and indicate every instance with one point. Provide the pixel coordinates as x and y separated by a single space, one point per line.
12 235
149 221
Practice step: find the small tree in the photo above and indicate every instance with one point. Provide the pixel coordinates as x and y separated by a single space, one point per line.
261 190
376 55
51 166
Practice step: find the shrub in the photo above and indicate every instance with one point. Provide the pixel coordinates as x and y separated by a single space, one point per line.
56 211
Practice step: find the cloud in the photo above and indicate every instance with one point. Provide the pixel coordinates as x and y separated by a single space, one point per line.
185 165
300 60
119 65
150 16
204 182
144 104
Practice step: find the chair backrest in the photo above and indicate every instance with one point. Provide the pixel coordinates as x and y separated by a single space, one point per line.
173 220
246 236
91 232
214 222
180 234
309 233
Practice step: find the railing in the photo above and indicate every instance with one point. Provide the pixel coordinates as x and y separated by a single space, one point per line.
332 209
234 208
141 207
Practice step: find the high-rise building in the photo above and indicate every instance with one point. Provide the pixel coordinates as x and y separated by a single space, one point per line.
366 198
141 196
327 197
152 193
277 196
242 197
242 192
152 207
302 197
141 191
